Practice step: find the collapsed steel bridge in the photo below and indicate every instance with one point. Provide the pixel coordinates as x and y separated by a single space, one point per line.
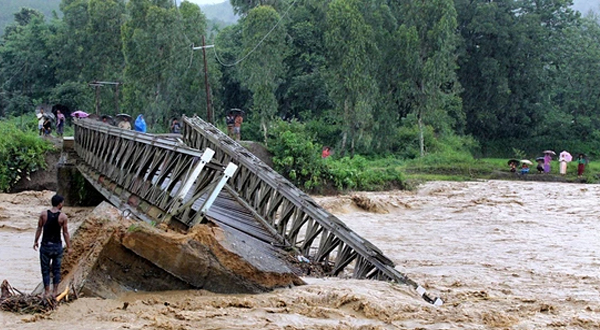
206 175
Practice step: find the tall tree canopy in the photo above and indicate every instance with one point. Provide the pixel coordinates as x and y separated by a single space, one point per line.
263 68
406 77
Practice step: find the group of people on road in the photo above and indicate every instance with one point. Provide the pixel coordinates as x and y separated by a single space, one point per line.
45 123
544 163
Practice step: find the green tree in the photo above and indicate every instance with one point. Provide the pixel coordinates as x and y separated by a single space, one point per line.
349 42
190 87
261 71
159 75
71 41
243 7
304 93
105 56
573 119
228 45
506 64
25 68
427 43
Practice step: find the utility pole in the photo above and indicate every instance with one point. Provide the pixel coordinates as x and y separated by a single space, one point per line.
117 98
97 85
209 114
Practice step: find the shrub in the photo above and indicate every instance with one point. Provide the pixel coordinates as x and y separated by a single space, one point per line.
358 173
21 153
296 155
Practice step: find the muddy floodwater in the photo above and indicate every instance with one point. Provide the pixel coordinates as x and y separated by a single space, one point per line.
501 254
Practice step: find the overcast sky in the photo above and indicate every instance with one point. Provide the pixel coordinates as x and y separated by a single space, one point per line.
585 5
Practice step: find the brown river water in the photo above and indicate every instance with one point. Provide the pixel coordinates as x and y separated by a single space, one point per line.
501 254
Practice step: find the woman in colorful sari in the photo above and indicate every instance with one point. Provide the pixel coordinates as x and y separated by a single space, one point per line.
547 160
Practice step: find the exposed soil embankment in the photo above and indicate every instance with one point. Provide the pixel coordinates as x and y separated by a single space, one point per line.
42 179
112 255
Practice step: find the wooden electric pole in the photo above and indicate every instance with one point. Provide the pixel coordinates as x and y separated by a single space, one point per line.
209 114
97 85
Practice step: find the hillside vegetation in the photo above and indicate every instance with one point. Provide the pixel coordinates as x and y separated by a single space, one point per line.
432 82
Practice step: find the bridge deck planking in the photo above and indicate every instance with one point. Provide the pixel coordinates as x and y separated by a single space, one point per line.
229 212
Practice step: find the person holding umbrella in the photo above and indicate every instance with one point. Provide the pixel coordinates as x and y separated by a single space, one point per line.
123 120
563 158
80 114
547 159
41 119
540 164
125 124
60 123
525 166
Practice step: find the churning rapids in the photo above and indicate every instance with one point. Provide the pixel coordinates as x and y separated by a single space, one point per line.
501 254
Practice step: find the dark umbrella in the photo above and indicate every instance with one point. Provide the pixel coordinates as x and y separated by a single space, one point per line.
109 119
236 110
539 159
122 116
49 115
513 161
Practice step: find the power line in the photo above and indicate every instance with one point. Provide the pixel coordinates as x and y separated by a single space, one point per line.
259 43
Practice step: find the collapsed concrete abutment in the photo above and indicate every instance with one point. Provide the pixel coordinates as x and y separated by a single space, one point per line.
113 255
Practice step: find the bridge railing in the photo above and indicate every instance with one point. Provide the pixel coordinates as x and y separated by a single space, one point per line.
292 214
155 177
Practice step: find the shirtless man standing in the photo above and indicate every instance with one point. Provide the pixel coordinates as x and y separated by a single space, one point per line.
51 223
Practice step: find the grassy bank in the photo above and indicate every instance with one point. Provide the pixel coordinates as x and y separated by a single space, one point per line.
493 168
359 173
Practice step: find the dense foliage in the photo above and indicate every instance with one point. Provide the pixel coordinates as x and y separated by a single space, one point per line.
427 80
22 151
298 155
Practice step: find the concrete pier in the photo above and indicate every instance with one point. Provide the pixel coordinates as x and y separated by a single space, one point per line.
70 183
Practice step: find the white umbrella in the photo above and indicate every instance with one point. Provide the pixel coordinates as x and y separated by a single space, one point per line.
526 161
550 152
566 156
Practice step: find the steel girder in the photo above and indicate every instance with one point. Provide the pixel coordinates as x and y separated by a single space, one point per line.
293 215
